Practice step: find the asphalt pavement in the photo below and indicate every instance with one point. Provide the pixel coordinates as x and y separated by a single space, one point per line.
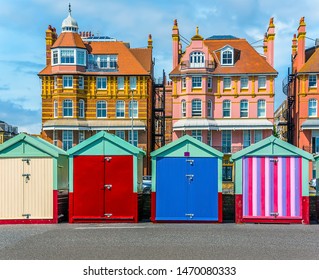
147 241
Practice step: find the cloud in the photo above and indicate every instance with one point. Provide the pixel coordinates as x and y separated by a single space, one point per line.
4 87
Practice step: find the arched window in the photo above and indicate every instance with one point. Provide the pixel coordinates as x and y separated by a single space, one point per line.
312 107
209 108
196 108
244 109
227 56
226 109
183 105
197 59
81 108
101 110
67 108
261 108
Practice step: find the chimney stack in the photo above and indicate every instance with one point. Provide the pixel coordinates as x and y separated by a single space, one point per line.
175 38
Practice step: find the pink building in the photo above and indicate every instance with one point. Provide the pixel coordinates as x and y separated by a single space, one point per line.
223 91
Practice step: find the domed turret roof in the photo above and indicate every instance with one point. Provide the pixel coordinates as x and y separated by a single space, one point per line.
70 24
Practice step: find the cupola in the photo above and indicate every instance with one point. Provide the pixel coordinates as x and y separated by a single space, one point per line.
70 24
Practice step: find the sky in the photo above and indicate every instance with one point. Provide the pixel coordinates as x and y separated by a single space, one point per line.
23 24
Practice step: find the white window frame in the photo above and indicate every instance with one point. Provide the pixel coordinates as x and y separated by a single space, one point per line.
244 110
196 82
225 109
135 137
209 138
55 137
67 139
197 134
68 55
81 57
246 138
120 83
183 82
134 108
133 82
81 82
55 57
312 108
197 59
101 109
120 109
81 108
55 82
227 82
227 56
261 108
67 81
120 134
81 136
262 82
226 141
244 83
209 82
196 109
101 83
209 108
55 109
183 108
67 108
312 81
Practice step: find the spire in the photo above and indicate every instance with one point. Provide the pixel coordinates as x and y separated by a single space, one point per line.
70 24
70 9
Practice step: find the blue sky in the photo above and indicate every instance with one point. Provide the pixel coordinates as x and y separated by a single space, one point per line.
23 24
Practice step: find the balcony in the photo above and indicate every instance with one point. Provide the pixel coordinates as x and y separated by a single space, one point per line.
229 149
207 65
94 67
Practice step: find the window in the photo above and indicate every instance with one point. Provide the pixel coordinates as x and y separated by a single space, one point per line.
68 81
81 136
312 81
81 82
55 57
258 136
261 108
312 108
67 56
227 83
246 136
101 109
132 82
209 108
120 83
244 109
197 59
80 57
81 108
196 82
183 82
261 82
226 108
209 138
133 107
197 134
133 141
55 138
120 133
55 109
55 82
101 83
67 108
104 61
120 106
227 56
196 108
209 82
226 141
183 108
67 139
243 83
227 173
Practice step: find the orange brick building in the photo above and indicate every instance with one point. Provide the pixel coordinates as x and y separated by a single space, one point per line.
93 83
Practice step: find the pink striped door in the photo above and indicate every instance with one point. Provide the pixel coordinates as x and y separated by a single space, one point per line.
272 187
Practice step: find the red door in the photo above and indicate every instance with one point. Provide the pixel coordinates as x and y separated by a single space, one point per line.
103 188
120 201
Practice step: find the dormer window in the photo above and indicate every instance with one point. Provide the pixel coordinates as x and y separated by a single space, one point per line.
227 55
197 59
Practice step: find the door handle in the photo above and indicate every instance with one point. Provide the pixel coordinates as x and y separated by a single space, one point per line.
108 187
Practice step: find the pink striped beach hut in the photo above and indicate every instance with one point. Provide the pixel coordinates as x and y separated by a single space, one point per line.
271 183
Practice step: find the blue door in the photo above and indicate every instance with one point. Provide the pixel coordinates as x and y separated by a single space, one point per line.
187 189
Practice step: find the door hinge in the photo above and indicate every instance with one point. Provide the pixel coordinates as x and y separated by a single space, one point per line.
108 187
107 158
107 215
26 215
27 177
191 161
190 215
27 160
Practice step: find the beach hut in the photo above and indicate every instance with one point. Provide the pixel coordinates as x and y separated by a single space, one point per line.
33 181
105 176
186 182
272 183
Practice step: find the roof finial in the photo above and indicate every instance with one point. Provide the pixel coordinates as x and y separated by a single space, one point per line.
197 30
70 8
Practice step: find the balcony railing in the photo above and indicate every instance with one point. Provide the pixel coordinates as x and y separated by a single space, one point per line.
229 149
93 67
207 65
